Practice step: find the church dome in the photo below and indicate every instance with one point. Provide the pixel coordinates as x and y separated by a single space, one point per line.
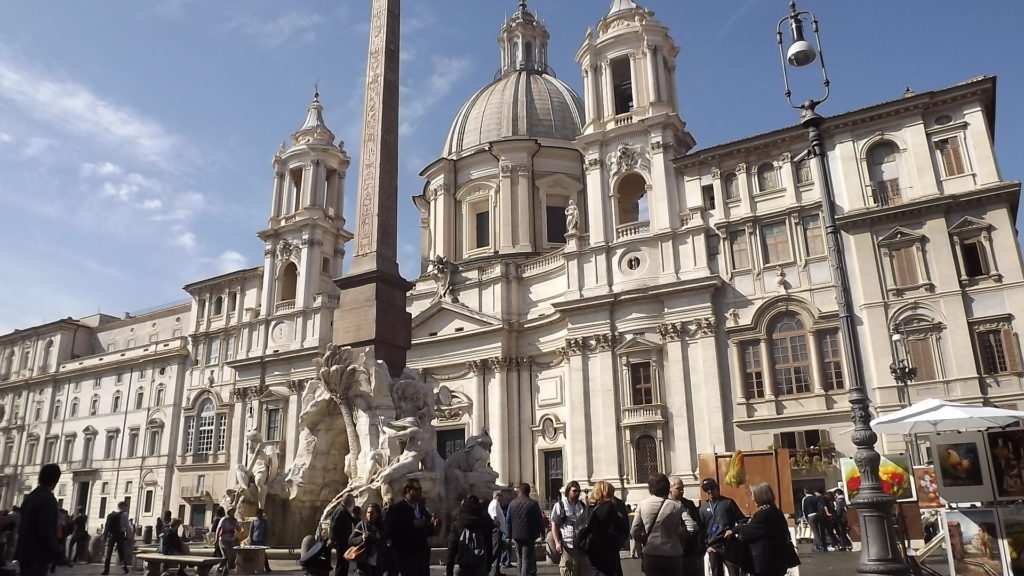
524 103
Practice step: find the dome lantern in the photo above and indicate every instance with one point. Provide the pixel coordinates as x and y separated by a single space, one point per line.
524 42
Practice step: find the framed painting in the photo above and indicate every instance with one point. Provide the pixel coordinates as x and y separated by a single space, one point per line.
927 486
1006 456
974 542
961 465
1012 521
894 471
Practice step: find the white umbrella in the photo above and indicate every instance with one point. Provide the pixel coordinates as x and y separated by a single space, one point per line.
933 415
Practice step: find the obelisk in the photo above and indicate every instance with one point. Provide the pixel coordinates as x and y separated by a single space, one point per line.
372 310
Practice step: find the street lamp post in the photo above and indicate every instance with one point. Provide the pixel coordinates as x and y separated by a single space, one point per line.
879 554
903 373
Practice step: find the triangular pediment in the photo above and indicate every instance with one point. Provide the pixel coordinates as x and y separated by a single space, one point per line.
443 317
637 343
900 234
969 224
559 183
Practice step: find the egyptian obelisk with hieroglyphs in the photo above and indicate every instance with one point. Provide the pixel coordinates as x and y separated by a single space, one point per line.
372 310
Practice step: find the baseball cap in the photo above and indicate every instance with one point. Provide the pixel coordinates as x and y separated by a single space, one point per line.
708 484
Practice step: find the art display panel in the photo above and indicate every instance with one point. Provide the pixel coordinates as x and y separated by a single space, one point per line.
1012 523
974 542
926 483
961 464
1006 456
895 472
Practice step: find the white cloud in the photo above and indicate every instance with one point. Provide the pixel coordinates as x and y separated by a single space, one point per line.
276 31
5 137
229 261
70 107
420 97
186 240
160 201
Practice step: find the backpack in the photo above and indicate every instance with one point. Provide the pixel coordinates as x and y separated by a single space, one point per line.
471 555
583 536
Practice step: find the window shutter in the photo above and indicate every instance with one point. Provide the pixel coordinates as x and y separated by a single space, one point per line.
922 357
904 266
1010 348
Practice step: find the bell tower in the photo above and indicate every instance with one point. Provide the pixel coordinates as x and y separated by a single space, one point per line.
632 129
304 243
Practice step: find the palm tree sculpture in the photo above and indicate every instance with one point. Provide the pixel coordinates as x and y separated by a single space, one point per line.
347 380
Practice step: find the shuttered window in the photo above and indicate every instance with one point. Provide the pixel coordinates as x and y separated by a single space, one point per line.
831 360
951 155
814 237
753 374
646 449
997 351
775 237
922 357
740 249
904 265
732 186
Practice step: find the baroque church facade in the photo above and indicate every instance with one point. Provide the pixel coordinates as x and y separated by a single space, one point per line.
599 294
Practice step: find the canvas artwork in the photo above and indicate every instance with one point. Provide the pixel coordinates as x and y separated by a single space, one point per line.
894 471
1006 449
927 485
1012 520
961 465
974 548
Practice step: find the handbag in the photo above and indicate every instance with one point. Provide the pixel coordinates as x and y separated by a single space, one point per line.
354 552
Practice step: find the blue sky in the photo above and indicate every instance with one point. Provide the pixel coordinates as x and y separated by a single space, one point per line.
136 137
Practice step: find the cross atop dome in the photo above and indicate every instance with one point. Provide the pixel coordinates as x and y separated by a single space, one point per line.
314 130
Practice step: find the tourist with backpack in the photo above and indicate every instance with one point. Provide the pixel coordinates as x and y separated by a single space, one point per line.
469 543
525 525
695 545
564 516
659 525
601 531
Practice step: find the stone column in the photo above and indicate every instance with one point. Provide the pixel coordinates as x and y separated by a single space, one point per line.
577 447
526 420
497 416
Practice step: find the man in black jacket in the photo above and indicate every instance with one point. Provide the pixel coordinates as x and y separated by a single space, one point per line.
525 525
37 532
695 546
409 524
115 530
342 522
718 515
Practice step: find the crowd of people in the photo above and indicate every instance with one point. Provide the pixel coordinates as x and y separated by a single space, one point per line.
672 534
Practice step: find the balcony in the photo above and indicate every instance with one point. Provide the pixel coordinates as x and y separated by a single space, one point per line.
87 465
194 493
644 414
886 193
632 229
284 306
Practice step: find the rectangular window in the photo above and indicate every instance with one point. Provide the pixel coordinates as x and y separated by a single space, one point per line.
997 351
128 485
555 221
831 360
189 435
104 487
814 236
108 447
176 333
222 429
204 442
229 349
972 252
200 483
753 375
153 442
199 354
152 338
30 452
792 374
732 186
69 449
142 373
803 172
482 236
147 503
641 383
115 404
904 266
740 250
133 441
131 343
951 155
775 237
120 377
50 450
707 193
75 387
213 351
922 357
622 85
273 424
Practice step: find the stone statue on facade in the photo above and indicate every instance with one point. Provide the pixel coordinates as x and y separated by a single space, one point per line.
469 471
572 218
255 475
441 269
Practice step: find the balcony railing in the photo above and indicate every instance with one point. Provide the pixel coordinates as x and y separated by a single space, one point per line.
193 491
886 193
87 464
285 306
632 229
644 414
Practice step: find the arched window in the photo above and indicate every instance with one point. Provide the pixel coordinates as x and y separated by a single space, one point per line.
288 283
94 405
884 173
232 302
140 398
74 408
218 305
205 428
646 453
48 356
115 403
767 177
790 357
159 395
631 199
732 186
8 365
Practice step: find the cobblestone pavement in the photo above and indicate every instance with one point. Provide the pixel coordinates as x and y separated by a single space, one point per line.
831 564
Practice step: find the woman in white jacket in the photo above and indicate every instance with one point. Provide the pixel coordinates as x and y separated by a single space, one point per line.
658 524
